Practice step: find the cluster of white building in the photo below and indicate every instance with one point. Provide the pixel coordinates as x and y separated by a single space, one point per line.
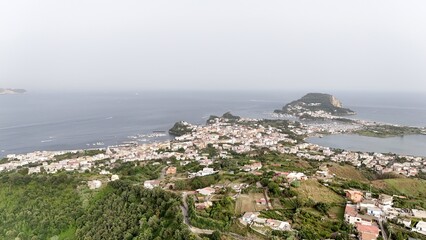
253 219
241 137
364 211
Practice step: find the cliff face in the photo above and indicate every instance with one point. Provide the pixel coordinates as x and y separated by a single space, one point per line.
314 104
335 102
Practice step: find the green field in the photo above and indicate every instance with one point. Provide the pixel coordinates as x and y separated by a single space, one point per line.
347 172
312 189
410 187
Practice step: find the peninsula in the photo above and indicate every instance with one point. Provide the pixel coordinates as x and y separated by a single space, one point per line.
316 105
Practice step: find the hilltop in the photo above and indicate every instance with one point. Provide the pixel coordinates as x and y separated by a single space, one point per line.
314 104
180 128
4 91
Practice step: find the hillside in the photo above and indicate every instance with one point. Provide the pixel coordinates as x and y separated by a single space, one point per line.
316 102
62 207
180 128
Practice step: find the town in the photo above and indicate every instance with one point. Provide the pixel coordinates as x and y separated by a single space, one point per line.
196 153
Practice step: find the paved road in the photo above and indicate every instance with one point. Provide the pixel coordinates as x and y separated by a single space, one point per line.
195 230
384 235
268 202
184 209
162 174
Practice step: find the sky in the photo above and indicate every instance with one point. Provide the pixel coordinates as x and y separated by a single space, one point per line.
308 45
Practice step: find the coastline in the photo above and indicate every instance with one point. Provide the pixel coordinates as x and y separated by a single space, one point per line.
279 135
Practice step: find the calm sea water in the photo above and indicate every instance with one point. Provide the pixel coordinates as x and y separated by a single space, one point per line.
55 121
407 145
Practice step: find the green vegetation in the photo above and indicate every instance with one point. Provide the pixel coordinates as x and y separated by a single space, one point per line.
4 160
317 102
71 155
410 187
204 221
229 116
347 172
180 128
61 206
130 212
39 207
312 189
196 182
413 190
384 131
398 232
134 172
211 119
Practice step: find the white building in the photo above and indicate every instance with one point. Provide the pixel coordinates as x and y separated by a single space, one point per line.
95 184
249 217
207 191
420 228
150 184
418 213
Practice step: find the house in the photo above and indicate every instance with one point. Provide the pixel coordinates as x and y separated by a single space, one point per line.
385 200
150 184
354 196
105 172
367 203
95 184
418 213
367 232
420 227
252 167
203 205
206 162
405 222
207 191
296 176
374 211
171 171
278 225
114 178
323 174
353 217
249 217
204 172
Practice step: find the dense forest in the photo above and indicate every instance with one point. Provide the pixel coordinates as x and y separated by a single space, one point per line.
61 207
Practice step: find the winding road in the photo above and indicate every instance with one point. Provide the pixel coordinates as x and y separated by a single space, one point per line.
195 230
186 218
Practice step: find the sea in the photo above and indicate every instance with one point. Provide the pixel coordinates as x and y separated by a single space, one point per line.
68 120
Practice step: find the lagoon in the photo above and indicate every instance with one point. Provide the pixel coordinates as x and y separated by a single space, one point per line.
414 145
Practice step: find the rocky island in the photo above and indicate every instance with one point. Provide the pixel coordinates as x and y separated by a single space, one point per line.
180 128
6 91
315 105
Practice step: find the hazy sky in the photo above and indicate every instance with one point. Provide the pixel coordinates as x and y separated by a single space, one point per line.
213 44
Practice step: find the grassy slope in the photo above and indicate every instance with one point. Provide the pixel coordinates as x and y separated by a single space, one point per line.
411 187
314 190
347 172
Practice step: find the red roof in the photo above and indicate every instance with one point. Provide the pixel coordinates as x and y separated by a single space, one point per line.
350 210
367 229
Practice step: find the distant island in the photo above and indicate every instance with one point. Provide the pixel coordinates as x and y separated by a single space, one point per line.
315 105
6 91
